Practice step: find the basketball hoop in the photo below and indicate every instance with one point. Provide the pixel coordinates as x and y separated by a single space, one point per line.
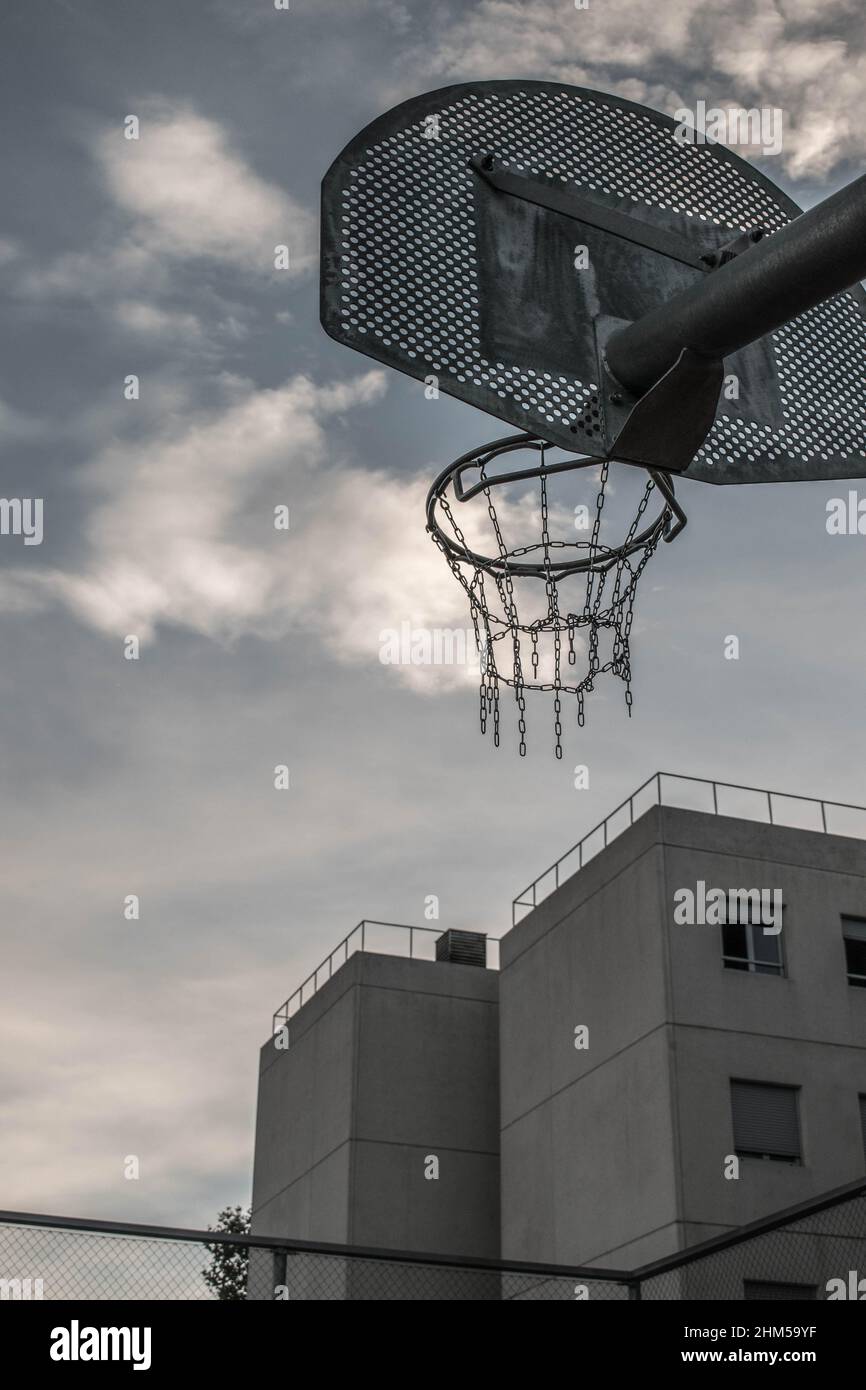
527 636
566 261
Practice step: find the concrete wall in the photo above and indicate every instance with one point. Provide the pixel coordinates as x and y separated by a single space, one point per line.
615 1155
806 1029
588 1170
427 1084
304 1120
392 1061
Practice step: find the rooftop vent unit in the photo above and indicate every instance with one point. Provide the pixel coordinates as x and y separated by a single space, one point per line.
462 948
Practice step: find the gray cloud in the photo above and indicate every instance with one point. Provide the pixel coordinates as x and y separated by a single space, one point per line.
156 777
808 59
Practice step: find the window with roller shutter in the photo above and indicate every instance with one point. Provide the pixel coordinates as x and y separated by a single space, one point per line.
757 1289
766 1121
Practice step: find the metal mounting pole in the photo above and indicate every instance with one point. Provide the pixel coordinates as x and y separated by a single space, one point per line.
817 255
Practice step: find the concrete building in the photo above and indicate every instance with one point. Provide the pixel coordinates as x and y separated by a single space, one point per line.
705 1042
378 1124
648 1082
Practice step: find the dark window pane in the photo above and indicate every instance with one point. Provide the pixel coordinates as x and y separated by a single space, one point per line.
767 948
734 940
855 955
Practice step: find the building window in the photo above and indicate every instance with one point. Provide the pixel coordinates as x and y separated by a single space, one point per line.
745 943
766 1121
854 932
762 1289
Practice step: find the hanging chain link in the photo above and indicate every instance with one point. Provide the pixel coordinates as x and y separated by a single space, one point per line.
607 607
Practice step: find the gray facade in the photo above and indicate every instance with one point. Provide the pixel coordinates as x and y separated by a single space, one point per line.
391 1063
616 1154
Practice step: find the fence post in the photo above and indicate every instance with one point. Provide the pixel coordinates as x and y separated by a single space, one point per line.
634 1291
279 1273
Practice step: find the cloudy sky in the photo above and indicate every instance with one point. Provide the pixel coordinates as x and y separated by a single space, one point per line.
155 777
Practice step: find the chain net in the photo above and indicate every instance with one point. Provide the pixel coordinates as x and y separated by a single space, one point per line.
550 614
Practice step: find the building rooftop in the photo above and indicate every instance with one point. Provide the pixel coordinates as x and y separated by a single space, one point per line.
662 789
694 794
380 938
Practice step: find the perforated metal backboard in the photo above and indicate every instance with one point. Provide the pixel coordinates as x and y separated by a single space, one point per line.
430 269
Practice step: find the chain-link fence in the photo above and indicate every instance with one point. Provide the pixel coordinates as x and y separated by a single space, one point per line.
809 1252
43 1257
804 1253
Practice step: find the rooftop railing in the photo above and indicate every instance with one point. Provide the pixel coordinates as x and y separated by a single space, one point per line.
381 938
694 794
662 789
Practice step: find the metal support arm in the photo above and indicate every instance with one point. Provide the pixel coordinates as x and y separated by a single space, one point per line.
817 255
